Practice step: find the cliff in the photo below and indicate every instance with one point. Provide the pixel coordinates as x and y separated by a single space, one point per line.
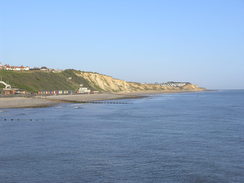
110 84
34 81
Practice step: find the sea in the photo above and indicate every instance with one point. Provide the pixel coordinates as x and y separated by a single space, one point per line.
166 138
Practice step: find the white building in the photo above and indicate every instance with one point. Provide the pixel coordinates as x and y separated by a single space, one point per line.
83 90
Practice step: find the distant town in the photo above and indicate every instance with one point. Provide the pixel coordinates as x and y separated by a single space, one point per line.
25 68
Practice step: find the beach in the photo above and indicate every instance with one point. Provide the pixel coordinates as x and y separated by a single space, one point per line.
24 102
46 101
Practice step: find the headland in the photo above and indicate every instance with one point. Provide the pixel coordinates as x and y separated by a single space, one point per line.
41 87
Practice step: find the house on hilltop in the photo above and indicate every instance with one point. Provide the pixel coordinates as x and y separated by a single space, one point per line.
14 68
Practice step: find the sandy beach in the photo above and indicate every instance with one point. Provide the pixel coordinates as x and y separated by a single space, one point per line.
91 97
22 102
45 101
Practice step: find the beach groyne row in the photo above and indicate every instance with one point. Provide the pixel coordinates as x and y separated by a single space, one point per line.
100 102
19 119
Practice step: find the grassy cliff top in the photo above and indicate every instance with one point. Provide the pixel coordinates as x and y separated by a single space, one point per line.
34 81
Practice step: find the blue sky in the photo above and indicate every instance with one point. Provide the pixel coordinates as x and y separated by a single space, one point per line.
136 40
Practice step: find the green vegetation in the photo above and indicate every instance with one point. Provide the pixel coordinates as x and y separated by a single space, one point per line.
34 81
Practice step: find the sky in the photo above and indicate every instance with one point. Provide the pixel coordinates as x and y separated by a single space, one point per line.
135 40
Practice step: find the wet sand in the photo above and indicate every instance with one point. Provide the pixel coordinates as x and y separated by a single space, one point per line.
91 97
45 101
23 102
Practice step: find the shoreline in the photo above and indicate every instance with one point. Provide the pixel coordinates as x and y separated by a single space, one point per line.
48 101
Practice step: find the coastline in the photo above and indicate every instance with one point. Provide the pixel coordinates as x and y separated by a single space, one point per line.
86 98
25 102
48 101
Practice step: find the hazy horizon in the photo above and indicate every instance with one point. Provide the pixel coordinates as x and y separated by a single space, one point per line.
144 41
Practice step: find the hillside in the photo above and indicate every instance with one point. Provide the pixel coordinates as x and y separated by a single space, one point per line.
34 81
107 83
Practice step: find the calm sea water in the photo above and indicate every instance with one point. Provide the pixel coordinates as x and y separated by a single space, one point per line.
187 137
